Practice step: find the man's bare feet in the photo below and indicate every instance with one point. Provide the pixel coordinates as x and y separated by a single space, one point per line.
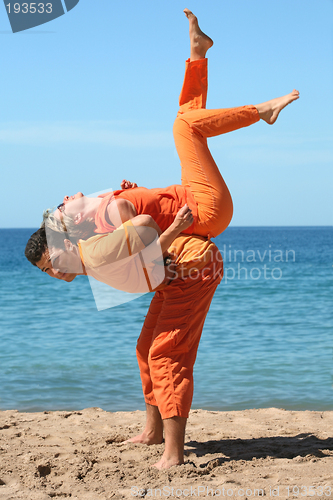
200 42
164 463
269 111
145 438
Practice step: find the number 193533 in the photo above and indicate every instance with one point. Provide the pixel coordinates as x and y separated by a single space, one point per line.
32 8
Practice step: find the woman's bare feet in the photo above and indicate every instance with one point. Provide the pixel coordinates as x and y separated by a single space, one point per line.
269 111
200 42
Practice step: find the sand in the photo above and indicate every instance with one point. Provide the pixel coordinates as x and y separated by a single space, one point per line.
236 454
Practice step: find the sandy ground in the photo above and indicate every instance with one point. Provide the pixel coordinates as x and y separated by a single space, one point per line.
236 454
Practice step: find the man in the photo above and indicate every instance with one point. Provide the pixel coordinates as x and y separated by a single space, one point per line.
169 340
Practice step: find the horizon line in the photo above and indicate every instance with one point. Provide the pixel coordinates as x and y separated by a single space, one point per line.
229 227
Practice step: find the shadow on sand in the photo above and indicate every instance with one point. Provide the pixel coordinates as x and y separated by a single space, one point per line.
301 445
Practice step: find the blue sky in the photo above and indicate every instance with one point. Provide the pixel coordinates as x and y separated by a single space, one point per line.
90 98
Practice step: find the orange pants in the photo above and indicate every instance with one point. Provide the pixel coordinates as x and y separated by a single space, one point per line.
203 187
169 340
193 125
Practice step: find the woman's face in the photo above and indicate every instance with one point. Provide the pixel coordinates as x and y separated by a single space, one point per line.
71 206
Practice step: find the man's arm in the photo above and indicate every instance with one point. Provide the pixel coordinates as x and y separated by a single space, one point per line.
183 220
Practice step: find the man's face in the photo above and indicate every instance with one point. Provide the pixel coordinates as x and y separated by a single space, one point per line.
66 261
45 264
70 206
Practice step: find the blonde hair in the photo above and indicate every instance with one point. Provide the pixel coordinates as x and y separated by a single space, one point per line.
74 232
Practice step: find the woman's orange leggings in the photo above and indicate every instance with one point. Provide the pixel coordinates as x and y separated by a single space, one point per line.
203 187
193 125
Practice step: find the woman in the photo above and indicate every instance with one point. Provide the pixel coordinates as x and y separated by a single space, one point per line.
202 185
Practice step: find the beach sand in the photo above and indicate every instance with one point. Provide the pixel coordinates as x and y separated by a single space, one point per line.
234 454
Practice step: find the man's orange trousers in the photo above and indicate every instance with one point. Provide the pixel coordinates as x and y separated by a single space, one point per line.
169 340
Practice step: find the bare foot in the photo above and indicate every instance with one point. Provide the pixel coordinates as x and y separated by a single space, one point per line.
200 42
269 111
166 464
145 438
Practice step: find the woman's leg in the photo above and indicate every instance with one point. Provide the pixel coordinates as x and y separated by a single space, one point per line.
194 91
199 171
211 194
202 175
194 124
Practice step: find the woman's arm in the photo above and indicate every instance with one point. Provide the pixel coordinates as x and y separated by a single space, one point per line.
120 211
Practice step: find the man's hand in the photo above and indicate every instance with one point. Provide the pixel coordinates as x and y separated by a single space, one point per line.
128 185
183 219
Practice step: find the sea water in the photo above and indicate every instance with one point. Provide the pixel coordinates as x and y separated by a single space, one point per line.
267 339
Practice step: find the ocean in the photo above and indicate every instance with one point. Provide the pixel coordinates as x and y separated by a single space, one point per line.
267 339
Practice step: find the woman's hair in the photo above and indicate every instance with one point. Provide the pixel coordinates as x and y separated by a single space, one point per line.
74 232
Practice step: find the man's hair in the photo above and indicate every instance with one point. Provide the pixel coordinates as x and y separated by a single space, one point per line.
43 239
36 246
